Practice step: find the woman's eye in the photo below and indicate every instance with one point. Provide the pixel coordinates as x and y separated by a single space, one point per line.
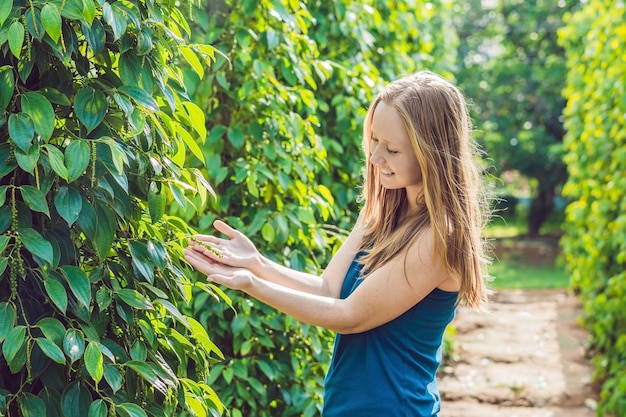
392 151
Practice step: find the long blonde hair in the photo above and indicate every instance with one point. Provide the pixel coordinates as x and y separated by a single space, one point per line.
454 203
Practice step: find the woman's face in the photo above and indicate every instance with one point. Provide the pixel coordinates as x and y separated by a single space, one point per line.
391 152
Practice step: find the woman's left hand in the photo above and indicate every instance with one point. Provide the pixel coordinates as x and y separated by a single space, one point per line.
235 278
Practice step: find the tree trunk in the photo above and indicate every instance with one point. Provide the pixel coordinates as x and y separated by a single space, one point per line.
540 208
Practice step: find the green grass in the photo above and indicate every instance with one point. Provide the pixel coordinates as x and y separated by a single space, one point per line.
511 275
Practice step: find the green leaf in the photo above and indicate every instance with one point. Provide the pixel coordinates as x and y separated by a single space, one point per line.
130 410
235 136
51 350
105 230
41 113
78 282
31 405
191 143
156 202
7 319
15 37
94 361
91 107
21 130
73 344
51 21
77 156
55 96
140 96
36 244
35 199
56 158
95 35
148 373
4 241
13 342
75 401
52 329
141 260
89 10
134 299
114 18
98 408
68 203
7 85
56 292
5 10
268 233
113 377
28 160
193 60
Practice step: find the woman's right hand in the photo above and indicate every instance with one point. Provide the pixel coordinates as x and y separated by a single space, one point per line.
237 250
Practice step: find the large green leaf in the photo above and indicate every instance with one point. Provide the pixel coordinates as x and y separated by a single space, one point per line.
134 299
7 319
56 292
31 405
156 201
5 10
78 282
105 230
52 328
115 18
77 155
140 96
35 199
51 350
75 401
98 408
113 377
36 244
15 37
28 160
21 130
94 362
13 342
91 107
7 86
57 160
68 203
130 410
73 344
51 21
95 35
41 113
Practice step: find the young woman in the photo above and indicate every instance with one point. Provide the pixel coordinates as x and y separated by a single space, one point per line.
413 255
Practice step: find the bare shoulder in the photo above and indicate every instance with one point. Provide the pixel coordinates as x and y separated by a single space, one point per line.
424 262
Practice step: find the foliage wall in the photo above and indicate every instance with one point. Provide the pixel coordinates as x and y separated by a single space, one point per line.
95 125
284 120
595 244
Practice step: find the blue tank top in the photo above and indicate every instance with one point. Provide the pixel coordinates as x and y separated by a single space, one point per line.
389 370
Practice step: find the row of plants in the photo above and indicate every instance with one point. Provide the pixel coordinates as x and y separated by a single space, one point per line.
595 242
95 128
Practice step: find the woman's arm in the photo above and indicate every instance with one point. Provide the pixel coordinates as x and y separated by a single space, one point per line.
239 252
384 295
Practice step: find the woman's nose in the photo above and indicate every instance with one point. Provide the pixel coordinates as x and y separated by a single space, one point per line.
375 157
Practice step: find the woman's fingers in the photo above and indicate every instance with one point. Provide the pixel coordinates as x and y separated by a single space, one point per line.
226 229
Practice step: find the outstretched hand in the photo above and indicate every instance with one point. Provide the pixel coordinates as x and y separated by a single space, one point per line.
236 251
232 277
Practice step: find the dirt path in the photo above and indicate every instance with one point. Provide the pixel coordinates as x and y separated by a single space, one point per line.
524 359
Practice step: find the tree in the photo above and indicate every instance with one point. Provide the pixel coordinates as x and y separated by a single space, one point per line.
595 241
513 69
95 126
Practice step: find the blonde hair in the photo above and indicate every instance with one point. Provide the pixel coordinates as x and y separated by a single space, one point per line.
453 204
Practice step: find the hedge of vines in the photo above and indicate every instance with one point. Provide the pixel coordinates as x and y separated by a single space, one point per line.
595 244
95 128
